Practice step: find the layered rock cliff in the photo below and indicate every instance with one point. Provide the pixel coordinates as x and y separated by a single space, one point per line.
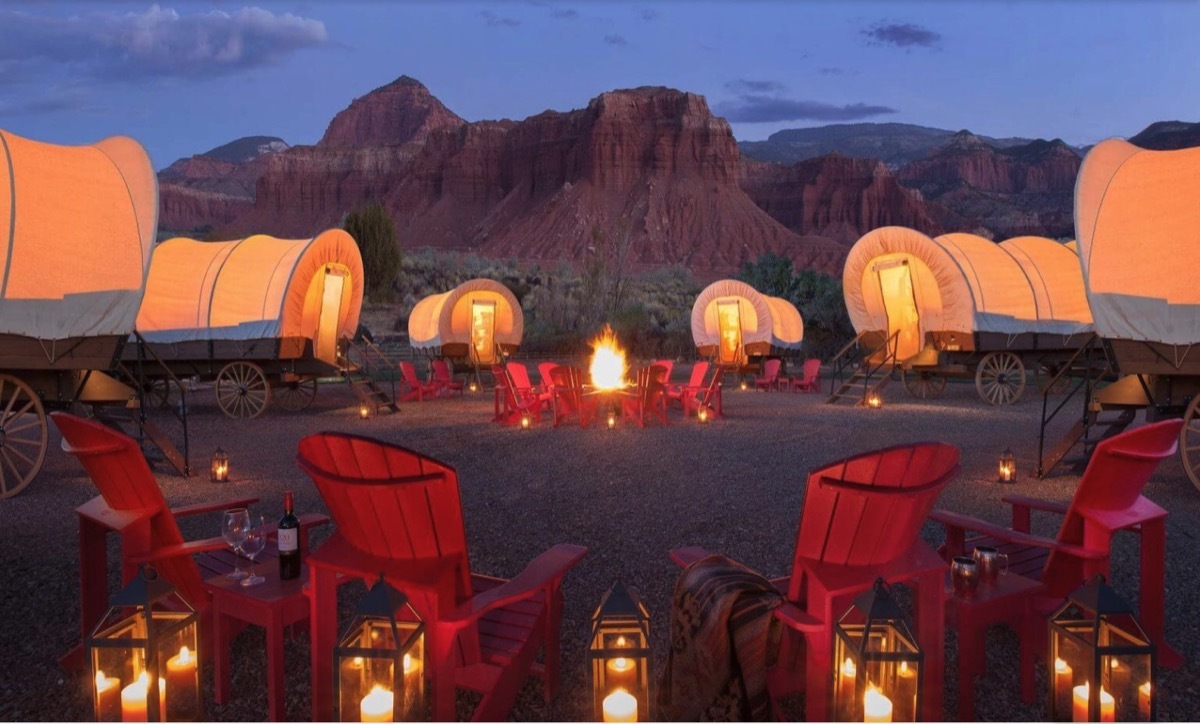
402 111
836 197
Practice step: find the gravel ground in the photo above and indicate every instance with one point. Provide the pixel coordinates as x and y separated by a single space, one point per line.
734 486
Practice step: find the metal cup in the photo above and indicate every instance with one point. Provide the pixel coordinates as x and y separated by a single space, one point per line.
964 574
991 562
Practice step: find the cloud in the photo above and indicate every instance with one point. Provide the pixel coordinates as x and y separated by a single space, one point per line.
742 85
615 40
156 42
567 14
647 14
495 21
57 100
902 35
755 108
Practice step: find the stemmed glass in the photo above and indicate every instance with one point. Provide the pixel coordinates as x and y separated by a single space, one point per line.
256 540
235 528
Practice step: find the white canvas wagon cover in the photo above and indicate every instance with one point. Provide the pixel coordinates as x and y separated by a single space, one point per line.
966 283
259 287
77 224
446 318
1137 220
763 318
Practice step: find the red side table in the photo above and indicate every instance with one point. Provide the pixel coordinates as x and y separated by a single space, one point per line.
275 605
1009 600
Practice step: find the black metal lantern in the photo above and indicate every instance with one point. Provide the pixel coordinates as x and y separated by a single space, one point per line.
1006 469
148 635
220 467
379 662
877 664
620 653
1094 637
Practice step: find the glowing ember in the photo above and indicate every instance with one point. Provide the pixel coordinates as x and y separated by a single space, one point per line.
608 362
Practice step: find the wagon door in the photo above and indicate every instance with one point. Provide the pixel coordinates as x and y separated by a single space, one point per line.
900 304
729 322
334 283
483 332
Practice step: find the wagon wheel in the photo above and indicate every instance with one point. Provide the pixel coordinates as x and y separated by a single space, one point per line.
22 435
1000 378
242 389
923 385
1189 441
295 395
157 393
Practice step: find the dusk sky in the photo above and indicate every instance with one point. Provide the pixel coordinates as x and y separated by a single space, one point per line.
183 77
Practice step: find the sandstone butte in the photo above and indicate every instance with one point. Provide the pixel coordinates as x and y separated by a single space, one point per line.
650 166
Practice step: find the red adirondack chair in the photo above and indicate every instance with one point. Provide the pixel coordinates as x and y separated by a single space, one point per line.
443 378
860 521
1109 499
770 379
694 386
544 369
668 365
648 397
569 397
131 504
706 396
399 513
412 387
520 396
810 381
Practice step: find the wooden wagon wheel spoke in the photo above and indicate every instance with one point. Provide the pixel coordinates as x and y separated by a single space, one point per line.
295 395
1189 441
23 436
242 389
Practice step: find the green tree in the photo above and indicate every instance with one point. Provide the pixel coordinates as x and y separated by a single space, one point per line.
375 233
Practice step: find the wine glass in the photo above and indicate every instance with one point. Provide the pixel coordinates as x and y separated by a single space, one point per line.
256 540
235 525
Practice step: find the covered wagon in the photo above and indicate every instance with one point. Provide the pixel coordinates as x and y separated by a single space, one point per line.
77 224
479 322
1138 226
263 317
960 305
734 324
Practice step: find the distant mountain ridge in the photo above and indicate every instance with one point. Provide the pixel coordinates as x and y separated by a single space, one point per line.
896 144
246 149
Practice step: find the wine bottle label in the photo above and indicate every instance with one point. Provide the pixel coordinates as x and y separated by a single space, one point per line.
289 540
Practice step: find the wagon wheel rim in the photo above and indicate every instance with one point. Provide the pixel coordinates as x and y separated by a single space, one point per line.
23 435
923 385
1000 379
1189 441
157 393
297 395
242 390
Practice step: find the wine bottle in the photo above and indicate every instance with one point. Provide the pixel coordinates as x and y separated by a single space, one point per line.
289 541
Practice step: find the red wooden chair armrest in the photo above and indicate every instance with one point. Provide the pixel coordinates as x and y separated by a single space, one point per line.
955 521
1135 454
212 507
542 572
795 618
178 550
1049 506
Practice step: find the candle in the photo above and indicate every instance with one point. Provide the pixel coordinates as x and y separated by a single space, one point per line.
1064 679
108 698
906 693
181 684
377 705
1144 702
876 706
620 706
134 698
847 678
620 672
1079 708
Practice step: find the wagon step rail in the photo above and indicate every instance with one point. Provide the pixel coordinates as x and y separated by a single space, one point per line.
1083 373
872 368
156 385
372 376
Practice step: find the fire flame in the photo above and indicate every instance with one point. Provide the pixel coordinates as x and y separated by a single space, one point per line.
608 361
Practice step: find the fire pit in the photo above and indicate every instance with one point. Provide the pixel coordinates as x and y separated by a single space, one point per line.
607 369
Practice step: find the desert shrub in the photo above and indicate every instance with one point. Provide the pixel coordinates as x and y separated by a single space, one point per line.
375 233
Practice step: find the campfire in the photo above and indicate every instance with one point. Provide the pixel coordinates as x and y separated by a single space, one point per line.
608 362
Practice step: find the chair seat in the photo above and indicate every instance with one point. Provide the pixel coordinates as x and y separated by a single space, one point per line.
503 632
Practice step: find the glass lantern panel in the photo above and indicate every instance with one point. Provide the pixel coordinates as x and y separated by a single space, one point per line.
367 676
178 665
1071 657
620 664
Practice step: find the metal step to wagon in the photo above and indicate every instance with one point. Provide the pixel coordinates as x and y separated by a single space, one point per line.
155 444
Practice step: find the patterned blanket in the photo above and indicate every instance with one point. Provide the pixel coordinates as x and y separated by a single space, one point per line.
720 635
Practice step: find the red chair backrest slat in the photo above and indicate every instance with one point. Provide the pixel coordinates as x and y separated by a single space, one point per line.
441 371
519 375
868 510
699 370
771 370
386 500
812 368
544 369
409 372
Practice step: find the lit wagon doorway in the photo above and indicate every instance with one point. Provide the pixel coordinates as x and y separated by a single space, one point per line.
900 305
